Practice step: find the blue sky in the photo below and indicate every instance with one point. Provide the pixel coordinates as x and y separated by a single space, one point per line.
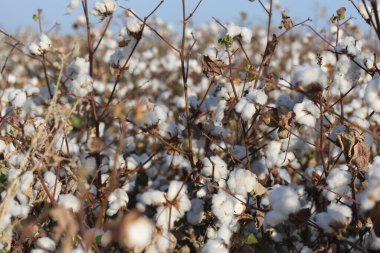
15 14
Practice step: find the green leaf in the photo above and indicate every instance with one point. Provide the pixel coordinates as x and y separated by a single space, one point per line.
251 239
35 17
77 120
98 239
3 179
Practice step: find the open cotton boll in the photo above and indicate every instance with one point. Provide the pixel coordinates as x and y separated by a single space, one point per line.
105 8
178 192
273 218
117 199
136 232
196 214
306 113
3 146
78 67
241 181
339 181
372 94
225 207
69 201
214 166
162 243
153 197
133 24
217 245
257 96
81 85
306 75
41 46
73 5
336 217
17 98
284 200
45 243
26 180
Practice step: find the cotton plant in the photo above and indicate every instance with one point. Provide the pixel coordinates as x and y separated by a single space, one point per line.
82 83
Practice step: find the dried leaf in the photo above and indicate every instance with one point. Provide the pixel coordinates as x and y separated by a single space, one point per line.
286 21
211 67
354 148
259 190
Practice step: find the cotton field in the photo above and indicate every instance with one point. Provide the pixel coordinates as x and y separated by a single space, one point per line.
222 137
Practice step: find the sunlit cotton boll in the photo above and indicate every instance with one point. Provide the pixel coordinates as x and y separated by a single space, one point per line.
69 201
17 98
105 8
216 245
241 181
41 46
45 243
135 232
306 75
214 166
81 85
284 200
372 94
306 113
116 200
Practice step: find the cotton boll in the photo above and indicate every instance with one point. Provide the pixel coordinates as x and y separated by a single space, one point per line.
339 181
26 180
133 24
241 181
178 192
372 94
117 199
214 166
153 197
258 96
73 4
233 30
216 245
17 98
3 146
45 243
239 107
136 232
306 113
225 207
196 214
104 9
81 85
78 67
248 111
273 218
336 217
308 74
285 200
340 214
69 201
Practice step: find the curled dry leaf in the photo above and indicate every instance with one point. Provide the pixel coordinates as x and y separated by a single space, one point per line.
286 21
279 117
354 148
211 67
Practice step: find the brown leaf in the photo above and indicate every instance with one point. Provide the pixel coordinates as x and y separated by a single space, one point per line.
211 67
354 148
